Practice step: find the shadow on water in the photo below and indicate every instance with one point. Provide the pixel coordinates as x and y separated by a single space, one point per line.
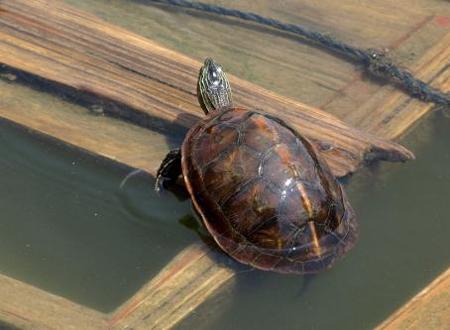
7 326
173 131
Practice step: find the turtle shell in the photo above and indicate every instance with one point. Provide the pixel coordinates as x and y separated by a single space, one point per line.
265 194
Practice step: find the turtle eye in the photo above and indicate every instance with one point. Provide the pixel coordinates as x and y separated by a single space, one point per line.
215 75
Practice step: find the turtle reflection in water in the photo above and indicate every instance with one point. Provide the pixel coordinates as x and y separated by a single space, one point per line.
262 190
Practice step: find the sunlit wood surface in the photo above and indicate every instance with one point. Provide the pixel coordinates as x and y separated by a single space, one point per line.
27 307
134 79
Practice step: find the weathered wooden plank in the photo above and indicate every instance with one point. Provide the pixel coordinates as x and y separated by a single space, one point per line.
75 125
389 112
64 45
27 307
408 31
175 292
279 62
429 309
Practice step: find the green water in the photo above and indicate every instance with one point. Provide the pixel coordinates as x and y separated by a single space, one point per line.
68 228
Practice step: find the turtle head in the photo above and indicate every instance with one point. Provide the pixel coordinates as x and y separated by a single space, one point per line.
213 88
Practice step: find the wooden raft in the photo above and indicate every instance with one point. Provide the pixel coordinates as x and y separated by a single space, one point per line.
111 70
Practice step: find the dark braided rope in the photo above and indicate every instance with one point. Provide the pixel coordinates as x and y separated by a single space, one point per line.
376 62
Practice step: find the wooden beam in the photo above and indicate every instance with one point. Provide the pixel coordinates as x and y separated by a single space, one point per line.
429 309
75 125
176 291
149 85
389 112
27 307
281 62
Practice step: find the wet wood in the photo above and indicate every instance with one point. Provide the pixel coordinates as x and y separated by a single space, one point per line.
27 307
133 78
177 290
429 309
75 125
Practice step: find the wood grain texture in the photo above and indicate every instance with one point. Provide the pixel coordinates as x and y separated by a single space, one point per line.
429 309
389 112
385 110
156 86
175 292
75 125
27 307
410 31
280 62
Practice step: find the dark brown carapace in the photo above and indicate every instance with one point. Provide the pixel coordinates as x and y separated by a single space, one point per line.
265 194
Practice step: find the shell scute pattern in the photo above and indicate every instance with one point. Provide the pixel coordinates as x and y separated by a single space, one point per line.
264 194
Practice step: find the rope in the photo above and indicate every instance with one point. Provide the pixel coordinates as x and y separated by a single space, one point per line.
375 62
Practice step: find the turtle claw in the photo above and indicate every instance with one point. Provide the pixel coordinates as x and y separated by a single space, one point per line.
169 170
159 184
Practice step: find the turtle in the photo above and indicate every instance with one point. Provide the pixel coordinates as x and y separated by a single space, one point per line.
261 189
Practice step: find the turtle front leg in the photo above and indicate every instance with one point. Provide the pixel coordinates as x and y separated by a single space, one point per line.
169 170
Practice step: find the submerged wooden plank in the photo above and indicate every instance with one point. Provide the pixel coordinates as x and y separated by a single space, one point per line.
150 85
429 309
27 307
98 134
192 276
175 292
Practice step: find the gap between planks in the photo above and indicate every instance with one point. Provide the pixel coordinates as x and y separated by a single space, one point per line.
186 281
